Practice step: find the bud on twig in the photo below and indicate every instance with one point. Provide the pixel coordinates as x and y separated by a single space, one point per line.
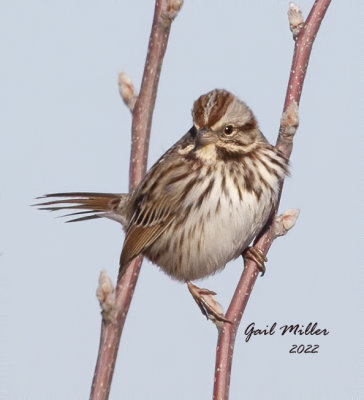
289 122
286 221
127 91
172 10
105 295
295 19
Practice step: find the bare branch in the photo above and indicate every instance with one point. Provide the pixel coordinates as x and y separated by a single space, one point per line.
143 110
289 123
164 13
127 91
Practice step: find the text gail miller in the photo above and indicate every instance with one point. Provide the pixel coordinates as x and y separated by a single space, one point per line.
309 330
298 330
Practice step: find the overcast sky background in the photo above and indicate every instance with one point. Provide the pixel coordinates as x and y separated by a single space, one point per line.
64 128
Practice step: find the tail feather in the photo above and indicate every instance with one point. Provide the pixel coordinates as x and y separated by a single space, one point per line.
84 218
78 219
109 205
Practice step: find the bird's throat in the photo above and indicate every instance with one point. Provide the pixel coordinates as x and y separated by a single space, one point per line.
207 153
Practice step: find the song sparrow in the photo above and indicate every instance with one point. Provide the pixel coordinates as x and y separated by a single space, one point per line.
202 202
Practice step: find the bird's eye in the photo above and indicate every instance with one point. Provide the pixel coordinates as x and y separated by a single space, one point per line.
228 130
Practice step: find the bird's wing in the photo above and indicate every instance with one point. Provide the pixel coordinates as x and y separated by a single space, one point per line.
155 202
149 221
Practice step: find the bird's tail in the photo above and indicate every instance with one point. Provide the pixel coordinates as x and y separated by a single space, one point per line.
93 205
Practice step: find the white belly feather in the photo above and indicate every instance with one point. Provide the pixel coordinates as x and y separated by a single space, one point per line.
212 235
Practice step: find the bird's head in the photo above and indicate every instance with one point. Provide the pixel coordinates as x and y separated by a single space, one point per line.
224 125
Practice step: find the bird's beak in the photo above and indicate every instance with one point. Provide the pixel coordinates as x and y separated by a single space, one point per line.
205 136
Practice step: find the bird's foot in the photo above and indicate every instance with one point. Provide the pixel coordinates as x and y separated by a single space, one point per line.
256 255
209 307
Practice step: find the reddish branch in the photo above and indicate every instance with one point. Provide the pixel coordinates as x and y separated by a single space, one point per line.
111 329
304 35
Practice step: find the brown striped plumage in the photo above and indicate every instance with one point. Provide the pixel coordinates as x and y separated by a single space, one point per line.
203 201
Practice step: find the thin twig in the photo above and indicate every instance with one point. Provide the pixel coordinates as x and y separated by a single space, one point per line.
304 39
164 13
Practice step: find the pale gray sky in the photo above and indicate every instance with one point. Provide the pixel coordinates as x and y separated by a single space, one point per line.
64 128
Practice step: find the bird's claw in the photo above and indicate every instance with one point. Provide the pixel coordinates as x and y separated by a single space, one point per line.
256 255
209 307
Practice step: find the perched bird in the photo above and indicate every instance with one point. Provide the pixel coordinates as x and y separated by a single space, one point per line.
202 203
